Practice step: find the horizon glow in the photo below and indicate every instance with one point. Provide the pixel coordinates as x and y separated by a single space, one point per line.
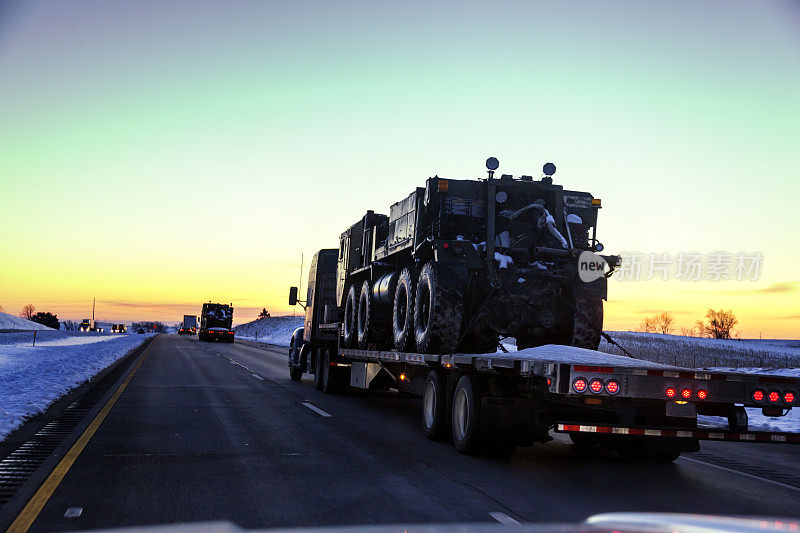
159 155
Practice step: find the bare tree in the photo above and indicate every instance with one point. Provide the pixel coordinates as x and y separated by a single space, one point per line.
264 313
648 325
27 311
688 332
2 309
718 324
70 325
665 323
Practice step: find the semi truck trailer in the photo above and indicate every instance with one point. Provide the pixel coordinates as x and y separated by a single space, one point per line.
216 322
189 325
487 401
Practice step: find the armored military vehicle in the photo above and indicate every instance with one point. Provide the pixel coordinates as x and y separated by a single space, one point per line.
216 321
458 264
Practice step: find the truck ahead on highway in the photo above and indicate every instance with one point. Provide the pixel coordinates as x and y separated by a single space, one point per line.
216 322
417 300
189 325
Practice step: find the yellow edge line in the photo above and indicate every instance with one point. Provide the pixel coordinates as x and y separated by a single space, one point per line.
26 518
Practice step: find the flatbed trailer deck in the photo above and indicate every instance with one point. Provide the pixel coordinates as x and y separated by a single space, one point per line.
640 407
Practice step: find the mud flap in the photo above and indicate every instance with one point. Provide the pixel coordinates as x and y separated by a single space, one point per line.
511 420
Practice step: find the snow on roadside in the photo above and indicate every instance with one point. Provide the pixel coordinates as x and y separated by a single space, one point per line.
273 330
15 323
33 377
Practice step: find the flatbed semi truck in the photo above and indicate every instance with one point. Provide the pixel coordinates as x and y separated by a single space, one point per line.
495 402
417 300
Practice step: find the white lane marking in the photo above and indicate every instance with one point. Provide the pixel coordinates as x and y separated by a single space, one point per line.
784 485
258 377
73 512
503 518
317 410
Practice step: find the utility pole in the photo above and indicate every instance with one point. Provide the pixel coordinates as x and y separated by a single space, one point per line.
93 300
300 283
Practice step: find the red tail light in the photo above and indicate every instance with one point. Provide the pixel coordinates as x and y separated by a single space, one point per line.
612 387
670 392
702 394
758 396
788 397
773 396
579 385
596 385
686 394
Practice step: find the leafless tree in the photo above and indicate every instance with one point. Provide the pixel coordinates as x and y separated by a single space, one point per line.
2 309
718 324
27 311
688 332
665 323
70 325
648 325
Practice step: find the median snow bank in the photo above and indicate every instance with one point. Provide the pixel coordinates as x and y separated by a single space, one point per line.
15 323
273 330
697 352
33 377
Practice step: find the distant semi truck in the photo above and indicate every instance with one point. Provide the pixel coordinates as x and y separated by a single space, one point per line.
216 322
189 326
86 325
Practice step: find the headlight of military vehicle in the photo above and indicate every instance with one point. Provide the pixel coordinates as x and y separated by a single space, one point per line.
501 197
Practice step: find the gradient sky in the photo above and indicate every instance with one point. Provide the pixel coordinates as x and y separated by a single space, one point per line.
157 154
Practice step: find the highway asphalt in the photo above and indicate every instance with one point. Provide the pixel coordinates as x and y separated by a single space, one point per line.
208 431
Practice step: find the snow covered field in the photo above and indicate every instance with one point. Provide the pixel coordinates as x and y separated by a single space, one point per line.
698 352
33 377
273 330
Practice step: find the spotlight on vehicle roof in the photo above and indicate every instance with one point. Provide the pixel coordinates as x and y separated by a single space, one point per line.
492 163
549 169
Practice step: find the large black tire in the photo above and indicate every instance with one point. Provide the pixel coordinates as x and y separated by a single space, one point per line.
332 377
349 334
319 369
588 323
371 325
434 406
295 370
438 310
295 373
465 417
403 312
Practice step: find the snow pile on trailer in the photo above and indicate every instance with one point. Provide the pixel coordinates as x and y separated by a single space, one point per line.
15 323
558 353
272 330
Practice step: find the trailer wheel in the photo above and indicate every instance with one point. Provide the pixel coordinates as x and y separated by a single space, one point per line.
588 323
438 311
332 382
434 407
318 369
403 312
371 324
465 419
349 324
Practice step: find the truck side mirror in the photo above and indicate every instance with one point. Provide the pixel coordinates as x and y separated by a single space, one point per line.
292 295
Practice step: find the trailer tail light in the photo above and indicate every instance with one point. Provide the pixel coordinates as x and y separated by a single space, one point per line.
702 394
670 392
612 387
788 398
773 396
579 385
686 394
596 385
758 396
446 245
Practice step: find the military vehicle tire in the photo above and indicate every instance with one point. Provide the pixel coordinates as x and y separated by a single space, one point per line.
371 324
295 373
588 323
403 312
349 334
438 310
